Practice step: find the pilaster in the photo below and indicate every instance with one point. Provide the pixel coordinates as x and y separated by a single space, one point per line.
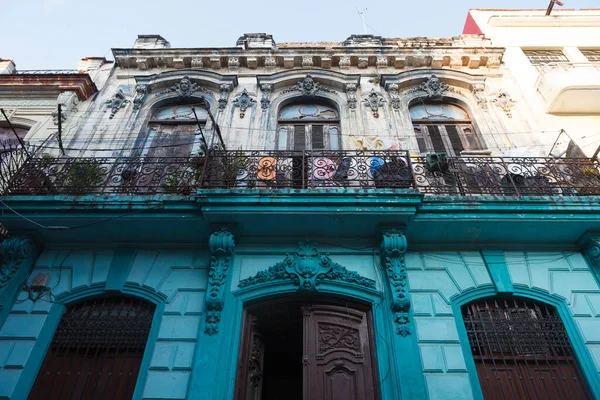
393 249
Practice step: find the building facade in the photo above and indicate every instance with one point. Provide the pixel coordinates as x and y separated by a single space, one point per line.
380 218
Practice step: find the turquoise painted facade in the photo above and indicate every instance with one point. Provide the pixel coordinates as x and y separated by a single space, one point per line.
413 248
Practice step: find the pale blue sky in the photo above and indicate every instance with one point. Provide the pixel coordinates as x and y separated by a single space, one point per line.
51 34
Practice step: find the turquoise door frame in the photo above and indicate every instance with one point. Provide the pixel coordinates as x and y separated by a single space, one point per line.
36 358
388 357
582 353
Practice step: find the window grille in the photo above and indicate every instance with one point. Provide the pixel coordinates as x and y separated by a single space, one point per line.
539 58
593 55
96 351
521 351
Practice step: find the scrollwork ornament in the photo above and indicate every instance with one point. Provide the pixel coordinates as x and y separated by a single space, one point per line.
225 90
592 252
266 93
243 101
184 88
308 87
374 100
140 95
306 269
394 97
433 87
222 247
393 249
351 94
503 101
117 102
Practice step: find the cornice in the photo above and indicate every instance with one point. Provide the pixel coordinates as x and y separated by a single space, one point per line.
35 83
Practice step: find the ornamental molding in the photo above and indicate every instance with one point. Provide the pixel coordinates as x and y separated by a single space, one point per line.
14 251
504 102
243 101
433 88
140 96
115 103
374 100
351 89
185 88
222 248
266 93
306 269
592 251
308 87
393 250
225 89
68 102
394 96
479 94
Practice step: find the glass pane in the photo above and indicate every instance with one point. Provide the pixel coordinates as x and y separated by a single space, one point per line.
282 140
334 137
437 112
178 113
308 112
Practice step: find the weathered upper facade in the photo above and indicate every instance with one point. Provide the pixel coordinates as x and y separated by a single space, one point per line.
377 218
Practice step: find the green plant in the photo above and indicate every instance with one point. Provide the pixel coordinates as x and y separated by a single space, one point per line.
83 175
171 184
47 156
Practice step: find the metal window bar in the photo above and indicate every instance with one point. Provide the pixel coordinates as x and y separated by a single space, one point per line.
539 58
521 351
96 351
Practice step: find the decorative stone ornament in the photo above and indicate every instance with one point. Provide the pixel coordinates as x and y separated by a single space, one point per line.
592 252
374 100
225 90
140 95
503 101
68 102
479 94
306 269
116 103
266 93
393 249
395 98
222 248
184 88
14 251
351 94
243 101
308 87
433 87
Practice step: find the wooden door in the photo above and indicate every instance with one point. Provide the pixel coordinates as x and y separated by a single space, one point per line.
338 360
249 385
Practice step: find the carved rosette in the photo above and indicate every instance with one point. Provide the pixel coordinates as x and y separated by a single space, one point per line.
243 101
592 251
222 248
374 100
351 94
393 249
266 93
306 269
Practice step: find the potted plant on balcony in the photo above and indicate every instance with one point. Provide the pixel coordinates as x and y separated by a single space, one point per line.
83 176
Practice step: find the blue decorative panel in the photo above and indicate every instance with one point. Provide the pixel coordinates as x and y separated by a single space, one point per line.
449 387
167 385
436 329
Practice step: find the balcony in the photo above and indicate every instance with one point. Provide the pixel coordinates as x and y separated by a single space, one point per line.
570 88
288 170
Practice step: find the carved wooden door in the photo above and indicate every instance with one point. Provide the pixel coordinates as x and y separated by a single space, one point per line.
337 361
251 362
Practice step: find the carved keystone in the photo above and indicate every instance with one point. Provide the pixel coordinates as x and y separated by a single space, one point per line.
393 249
222 247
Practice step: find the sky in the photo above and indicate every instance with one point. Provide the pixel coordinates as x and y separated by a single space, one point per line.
55 34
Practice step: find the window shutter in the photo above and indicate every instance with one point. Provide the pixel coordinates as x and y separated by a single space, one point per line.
457 145
317 137
471 138
299 137
436 138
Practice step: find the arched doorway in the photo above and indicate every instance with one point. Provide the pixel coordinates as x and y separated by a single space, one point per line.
321 349
522 351
96 351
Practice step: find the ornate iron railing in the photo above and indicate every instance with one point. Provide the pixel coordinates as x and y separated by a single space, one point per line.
460 176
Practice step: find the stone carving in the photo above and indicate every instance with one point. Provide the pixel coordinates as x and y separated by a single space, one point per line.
233 62
184 88
394 97
307 61
225 90
493 62
351 94
222 247
266 93
479 94
366 40
308 87
344 62
433 87
270 62
306 269
503 101
393 249
14 251
243 101
68 102
140 95
592 251
374 100
196 63
456 62
255 372
116 103
382 62
336 337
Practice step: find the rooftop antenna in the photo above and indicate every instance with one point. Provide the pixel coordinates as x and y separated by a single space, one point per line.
551 6
362 17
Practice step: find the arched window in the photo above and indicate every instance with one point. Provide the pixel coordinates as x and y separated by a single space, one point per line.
96 351
443 127
308 127
173 131
522 351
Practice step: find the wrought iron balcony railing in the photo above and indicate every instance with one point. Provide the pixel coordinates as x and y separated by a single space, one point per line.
460 176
